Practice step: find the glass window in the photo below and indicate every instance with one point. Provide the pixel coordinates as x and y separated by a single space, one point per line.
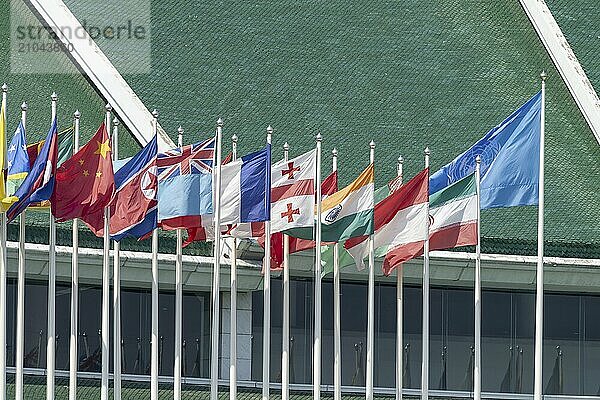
90 322
561 344
196 335
11 321
36 311
590 362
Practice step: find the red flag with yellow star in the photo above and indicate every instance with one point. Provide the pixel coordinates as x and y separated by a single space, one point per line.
85 183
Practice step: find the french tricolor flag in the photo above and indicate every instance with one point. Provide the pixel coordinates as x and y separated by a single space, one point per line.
246 188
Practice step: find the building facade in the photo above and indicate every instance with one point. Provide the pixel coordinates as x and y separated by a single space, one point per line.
406 74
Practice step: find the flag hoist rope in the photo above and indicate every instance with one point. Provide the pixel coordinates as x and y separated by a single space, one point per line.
337 327
117 356
371 303
425 339
214 349
178 299
20 353
51 334
285 335
539 293
155 340
318 268
3 224
477 363
105 330
73 341
233 305
267 296
399 309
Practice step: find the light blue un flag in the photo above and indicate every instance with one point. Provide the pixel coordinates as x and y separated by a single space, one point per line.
510 160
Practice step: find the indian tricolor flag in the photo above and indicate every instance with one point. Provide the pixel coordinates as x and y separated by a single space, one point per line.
347 213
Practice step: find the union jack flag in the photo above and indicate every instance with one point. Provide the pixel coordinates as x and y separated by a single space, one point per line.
192 159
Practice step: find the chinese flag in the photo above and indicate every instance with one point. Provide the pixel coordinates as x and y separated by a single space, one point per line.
85 183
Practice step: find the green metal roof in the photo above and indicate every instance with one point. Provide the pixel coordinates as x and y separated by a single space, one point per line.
409 75
578 20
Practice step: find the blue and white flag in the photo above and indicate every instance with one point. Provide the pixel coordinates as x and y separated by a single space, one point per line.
246 188
510 160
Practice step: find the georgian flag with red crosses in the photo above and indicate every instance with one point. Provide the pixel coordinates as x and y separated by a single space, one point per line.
293 192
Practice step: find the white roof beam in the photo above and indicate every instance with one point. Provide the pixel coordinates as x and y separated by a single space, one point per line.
565 61
105 78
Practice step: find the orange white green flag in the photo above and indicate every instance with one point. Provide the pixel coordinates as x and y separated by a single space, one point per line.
347 213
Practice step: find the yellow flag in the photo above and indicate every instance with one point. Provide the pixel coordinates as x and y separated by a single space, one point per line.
3 150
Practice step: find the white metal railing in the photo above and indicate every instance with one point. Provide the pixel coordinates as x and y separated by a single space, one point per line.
299 387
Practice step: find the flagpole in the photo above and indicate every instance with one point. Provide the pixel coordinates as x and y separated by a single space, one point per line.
74 286
21 292
178 299
539 295
399 309
233 306
425 345
105 334
337 327
154 343
371 304
51 334
318 268
267 299
285 344
116 286
3 232
477 366
214 351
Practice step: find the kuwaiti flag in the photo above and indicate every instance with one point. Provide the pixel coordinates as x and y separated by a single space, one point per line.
293 192
400 225
453 215
185 185
246 188
133 211
510 160
347 213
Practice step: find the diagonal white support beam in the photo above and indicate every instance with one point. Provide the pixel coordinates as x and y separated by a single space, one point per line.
105 78
565 61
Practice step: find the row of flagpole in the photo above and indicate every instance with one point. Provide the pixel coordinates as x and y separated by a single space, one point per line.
74 288
50 352
285 335
116 287
233 305
337 327
51 334
399 309
178 300
21 293
3 267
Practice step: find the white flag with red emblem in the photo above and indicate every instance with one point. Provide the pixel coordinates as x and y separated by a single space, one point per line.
293 192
